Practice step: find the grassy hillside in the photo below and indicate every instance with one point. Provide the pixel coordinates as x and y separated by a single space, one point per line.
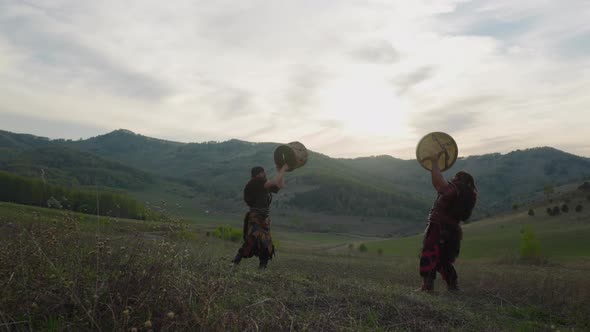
565 235
66 271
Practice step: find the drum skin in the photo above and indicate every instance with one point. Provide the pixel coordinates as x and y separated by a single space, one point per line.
437 143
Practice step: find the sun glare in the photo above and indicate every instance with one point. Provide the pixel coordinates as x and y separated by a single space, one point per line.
366 107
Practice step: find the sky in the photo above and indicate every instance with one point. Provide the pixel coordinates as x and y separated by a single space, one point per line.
345 78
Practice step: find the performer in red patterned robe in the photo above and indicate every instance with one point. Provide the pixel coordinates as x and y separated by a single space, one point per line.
442 240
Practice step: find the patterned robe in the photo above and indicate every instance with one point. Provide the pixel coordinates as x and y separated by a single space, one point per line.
442 238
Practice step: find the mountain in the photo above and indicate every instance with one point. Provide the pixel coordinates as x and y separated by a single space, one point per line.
60 164
324 185
501 178
211 175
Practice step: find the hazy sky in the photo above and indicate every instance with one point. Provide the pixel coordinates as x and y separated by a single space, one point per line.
346 78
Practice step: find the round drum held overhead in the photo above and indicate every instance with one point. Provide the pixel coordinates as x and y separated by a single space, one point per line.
437 144
293 154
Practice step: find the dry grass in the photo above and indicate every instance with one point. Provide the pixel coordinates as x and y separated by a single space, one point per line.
63 275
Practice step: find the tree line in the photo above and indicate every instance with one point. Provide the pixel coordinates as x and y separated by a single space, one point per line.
22 190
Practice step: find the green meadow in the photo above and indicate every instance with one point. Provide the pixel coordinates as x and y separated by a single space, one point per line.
560 237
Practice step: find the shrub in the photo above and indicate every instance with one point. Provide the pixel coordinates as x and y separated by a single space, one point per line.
556 210
579 208
363 248
228 233
380 251
531 212
53 203
549 211
350 246
565 208
515 207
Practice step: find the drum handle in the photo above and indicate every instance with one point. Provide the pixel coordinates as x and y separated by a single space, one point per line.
444 149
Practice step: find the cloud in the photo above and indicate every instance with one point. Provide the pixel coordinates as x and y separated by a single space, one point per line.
49 127
227 101
455 116
301 92
320 71
380 52
527 23
260 131
502 144
501 28
49 49
406 82
577 46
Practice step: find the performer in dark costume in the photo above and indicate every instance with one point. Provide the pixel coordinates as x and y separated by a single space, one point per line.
442 240
258 195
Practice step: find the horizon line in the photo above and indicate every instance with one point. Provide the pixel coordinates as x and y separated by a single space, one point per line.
251 142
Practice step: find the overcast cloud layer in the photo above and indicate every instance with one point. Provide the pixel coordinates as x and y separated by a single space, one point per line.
346 78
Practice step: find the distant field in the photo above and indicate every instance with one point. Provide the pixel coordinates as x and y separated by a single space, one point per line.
566 235
179 201
296 241
289 240
192 209
15 213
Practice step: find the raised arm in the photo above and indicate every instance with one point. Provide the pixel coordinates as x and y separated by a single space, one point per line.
438 180
279 180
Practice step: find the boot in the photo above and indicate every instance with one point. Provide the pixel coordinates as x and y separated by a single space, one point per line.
453 286
427 285
237 259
